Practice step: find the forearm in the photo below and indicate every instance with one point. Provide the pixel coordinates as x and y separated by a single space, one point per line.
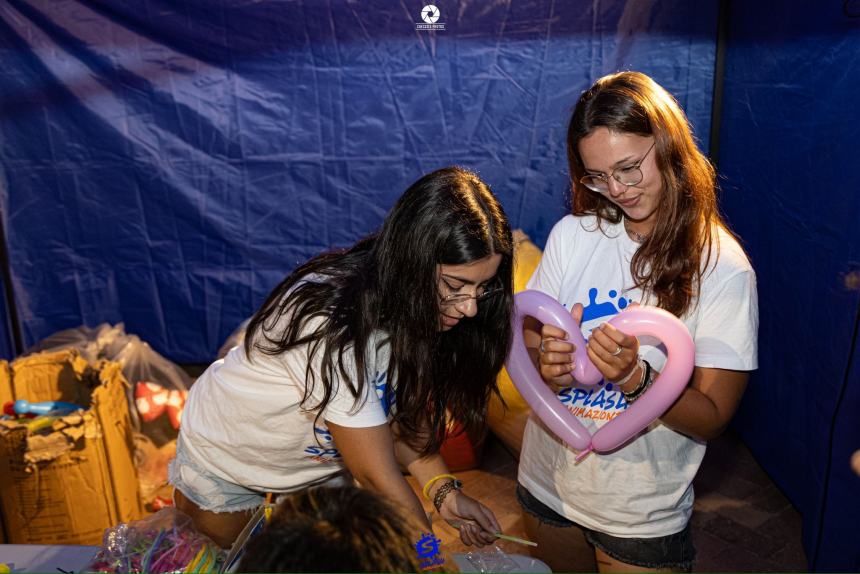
476 523
422 468
707 405
695 415
369 454
399 491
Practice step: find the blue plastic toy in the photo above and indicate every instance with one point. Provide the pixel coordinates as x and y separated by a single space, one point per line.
23 407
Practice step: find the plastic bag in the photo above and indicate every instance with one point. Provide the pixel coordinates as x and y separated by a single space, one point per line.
151 462
491 560
156 393
140 362
93 343
162 542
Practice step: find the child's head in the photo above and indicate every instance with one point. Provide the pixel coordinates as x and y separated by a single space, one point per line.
341 529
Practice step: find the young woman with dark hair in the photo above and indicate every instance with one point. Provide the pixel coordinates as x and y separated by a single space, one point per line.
644 229
352 363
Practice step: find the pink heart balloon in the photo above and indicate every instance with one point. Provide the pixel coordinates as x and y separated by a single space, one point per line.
636 321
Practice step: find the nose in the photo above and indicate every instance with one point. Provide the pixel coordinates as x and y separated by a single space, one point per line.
469 307
616 188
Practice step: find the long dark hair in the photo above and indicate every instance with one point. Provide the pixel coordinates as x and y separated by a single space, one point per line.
669 263
388 282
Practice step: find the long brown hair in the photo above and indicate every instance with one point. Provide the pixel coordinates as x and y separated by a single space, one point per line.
340 529
668 265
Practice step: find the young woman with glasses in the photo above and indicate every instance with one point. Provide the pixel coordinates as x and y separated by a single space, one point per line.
352 363
644 229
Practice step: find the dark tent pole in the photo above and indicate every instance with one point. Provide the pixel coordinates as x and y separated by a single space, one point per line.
719 76
13 323
840 399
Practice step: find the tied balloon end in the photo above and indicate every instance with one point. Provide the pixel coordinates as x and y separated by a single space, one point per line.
584 453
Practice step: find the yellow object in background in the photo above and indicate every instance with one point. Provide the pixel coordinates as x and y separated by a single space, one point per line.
509 423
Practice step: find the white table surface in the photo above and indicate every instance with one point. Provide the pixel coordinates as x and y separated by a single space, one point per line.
46 558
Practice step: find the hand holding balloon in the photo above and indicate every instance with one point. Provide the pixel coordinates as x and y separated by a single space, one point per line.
614 353
556 354
630 323
611 351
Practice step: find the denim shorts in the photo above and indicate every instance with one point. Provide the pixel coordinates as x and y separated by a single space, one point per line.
215 494
675 551
206 490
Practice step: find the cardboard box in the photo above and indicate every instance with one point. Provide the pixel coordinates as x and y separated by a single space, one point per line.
67 484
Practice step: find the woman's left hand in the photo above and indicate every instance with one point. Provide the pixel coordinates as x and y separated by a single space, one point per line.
476 522
612 352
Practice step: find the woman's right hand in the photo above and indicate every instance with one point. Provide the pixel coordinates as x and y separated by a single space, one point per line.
555 355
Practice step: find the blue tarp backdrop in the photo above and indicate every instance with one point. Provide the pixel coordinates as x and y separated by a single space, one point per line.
166 163
789 157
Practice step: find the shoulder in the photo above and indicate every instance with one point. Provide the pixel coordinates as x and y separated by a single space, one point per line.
577 224
728 268
727 257
582 227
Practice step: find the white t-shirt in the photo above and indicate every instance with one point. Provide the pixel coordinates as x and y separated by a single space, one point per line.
243 422
644 489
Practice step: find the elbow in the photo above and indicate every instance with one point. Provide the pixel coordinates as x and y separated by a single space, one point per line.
379 478
700 432
712 431
708 436
367 479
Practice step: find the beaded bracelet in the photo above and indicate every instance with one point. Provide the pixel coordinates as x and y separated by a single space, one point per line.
643 385
626 378
444 491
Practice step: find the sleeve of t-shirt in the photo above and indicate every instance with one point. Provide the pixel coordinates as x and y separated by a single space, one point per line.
727 328
343 409
550 271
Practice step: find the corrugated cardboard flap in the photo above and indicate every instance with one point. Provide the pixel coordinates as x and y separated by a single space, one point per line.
72 496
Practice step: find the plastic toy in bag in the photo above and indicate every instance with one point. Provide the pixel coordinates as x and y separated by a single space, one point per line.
152 400
491 560
163 542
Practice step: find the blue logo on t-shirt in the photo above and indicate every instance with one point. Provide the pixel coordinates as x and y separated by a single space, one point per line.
324 451
323 435
595 310
601 402
386 397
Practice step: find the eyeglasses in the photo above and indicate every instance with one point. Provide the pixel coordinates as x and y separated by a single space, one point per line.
481 294
627 176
